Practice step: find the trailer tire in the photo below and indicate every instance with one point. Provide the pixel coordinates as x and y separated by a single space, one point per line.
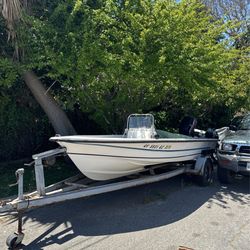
207 176
225 176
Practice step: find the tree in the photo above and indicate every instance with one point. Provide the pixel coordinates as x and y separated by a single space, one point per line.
113 58
118 57
237 13
12 13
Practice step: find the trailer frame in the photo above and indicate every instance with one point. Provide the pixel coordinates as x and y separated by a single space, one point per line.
79 186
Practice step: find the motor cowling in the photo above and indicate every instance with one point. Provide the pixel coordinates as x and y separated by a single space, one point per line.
187 125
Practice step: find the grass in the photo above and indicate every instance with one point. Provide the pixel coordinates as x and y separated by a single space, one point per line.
55 173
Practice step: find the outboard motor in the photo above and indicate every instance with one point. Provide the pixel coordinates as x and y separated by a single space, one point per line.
211 133
187 126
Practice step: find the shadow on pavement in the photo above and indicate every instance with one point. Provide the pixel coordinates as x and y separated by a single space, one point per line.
236 191
130 210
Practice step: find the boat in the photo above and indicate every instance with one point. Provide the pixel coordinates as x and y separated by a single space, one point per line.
141 147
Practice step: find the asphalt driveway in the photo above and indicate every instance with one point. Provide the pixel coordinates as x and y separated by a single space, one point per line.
164 215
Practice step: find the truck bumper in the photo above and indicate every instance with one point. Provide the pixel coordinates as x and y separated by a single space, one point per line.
237 163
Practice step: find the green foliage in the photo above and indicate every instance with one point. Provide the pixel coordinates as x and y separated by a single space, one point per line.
24 129
113 58
118 57
8 73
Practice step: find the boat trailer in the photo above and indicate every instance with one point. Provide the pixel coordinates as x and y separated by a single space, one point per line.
79 186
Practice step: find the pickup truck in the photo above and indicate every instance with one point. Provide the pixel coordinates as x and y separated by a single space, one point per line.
234 152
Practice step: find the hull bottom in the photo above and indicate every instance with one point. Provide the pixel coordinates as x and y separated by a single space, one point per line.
106 168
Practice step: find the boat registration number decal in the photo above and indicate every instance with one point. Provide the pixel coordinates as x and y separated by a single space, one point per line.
157 146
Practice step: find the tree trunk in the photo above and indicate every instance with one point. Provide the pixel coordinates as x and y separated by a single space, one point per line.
56 115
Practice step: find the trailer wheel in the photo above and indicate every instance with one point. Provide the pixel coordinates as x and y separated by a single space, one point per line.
225 175
14 240
207 176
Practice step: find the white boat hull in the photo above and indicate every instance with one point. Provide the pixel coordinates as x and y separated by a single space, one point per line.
104 158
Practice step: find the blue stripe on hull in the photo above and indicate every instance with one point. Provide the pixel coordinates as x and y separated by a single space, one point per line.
133 157
146 149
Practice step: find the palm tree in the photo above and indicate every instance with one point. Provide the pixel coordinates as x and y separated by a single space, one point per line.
12 13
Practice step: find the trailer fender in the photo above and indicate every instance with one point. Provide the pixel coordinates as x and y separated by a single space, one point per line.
200 164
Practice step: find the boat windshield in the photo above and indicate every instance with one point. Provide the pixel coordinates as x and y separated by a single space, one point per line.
140 121
245 123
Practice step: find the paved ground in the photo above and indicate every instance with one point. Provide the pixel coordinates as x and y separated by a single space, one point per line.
163 215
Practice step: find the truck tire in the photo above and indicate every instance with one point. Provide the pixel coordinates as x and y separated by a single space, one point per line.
225 176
